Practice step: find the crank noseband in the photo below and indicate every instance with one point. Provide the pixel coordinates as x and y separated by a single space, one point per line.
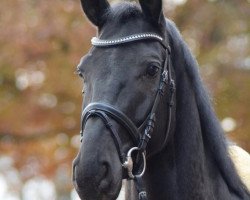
106 113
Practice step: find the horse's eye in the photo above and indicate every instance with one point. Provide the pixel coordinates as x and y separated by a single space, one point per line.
80 74
152 70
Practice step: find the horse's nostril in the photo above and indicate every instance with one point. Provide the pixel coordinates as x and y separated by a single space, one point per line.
74 177
105 169
105 177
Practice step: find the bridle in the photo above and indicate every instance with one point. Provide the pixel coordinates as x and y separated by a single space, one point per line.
140 136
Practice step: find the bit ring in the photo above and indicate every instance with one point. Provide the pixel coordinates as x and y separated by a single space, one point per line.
128 164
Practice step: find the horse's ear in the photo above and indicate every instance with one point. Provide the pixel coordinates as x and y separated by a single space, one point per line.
153 10
95 10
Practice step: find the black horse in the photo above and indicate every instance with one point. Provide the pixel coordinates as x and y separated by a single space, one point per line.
129 77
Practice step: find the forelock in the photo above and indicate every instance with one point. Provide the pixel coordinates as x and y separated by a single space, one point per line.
122 12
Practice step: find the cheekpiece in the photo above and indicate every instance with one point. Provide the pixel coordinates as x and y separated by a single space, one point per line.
131 38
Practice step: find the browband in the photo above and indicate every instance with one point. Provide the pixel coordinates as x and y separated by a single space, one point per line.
131 38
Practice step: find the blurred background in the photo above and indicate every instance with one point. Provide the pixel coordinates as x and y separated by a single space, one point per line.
41 43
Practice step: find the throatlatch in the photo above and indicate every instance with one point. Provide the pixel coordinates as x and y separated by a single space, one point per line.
106 112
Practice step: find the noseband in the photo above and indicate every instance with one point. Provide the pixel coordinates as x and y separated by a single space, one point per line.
140 136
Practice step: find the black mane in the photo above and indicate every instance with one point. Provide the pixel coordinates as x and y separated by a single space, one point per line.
122 12
212 133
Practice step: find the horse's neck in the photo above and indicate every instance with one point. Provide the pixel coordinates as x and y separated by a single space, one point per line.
186 169
181 172
159 179
170 177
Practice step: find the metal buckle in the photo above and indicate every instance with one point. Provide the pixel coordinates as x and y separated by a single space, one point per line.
128 164
142 195
165 76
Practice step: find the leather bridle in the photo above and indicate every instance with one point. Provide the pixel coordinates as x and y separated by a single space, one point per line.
140 136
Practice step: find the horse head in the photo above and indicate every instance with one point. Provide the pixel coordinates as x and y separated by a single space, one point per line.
127 82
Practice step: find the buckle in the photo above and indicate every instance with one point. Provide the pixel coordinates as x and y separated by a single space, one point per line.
142 195
165 76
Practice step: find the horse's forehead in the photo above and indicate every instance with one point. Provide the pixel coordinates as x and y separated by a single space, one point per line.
115 29
131 53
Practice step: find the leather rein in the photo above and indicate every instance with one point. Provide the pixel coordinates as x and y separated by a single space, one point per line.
140 136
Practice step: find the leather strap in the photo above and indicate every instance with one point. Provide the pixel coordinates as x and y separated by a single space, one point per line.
117 115
139 184
108 124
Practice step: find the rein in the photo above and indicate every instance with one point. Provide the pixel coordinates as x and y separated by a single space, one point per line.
140 136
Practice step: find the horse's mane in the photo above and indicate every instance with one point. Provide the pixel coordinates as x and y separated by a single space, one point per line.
212 132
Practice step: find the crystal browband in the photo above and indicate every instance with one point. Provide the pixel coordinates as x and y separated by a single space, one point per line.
144 36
